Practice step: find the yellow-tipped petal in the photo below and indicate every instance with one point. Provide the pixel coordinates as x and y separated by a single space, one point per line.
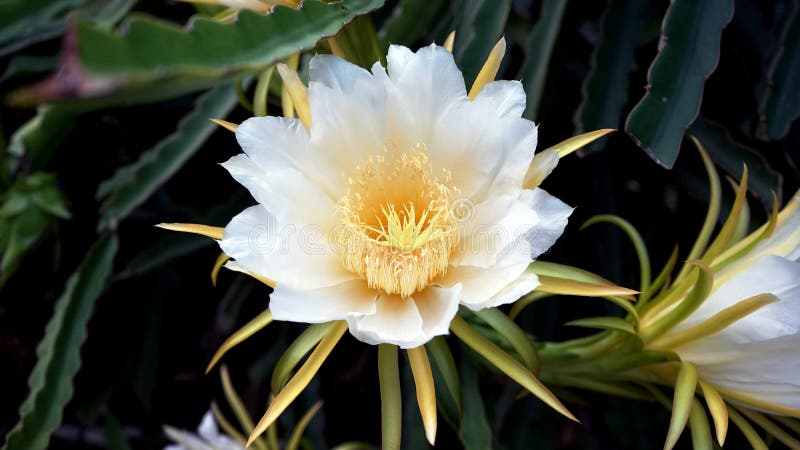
448 43
720 243
564 286
225 124
226 426
204 230
286 100
426 392
295 353
654 326
568 146
297 434
249 329
712 214
699 427
718 410
758 403
231 265
747 430
742 248
221 260
489 69
541 167
234 401
685 386
297 92
300 380
771 428
507 364
715 323
515 335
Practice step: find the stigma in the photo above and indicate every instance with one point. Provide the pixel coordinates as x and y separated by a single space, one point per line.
395 227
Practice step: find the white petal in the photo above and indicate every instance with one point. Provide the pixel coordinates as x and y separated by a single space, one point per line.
495 229
487 287
336 73
485 153
297 256
428 83
767 370
187 440
276 143
397 59
351 298
396 321
348 113
208 427
507 97
769 275
281 191
785 240
437 306
553 217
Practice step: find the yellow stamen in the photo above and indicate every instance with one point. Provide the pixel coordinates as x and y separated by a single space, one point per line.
396 228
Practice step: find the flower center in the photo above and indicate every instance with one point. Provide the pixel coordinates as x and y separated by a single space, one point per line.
396 229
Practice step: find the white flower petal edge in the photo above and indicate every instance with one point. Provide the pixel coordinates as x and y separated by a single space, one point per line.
208 437
350 299
413 117
757 356
408 322
274 247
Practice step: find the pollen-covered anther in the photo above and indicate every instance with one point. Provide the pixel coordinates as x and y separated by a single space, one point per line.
396 229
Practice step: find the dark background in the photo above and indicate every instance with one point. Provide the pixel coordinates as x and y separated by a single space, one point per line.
152 334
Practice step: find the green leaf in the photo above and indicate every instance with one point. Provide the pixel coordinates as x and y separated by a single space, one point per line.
361 39
115 435
604 323
538 50
111 68
24 22
410 19
688 54
605 90
391 402
39 138
59 351
22 65
480 23
28 213
730 155
780 104
475 431
131 185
